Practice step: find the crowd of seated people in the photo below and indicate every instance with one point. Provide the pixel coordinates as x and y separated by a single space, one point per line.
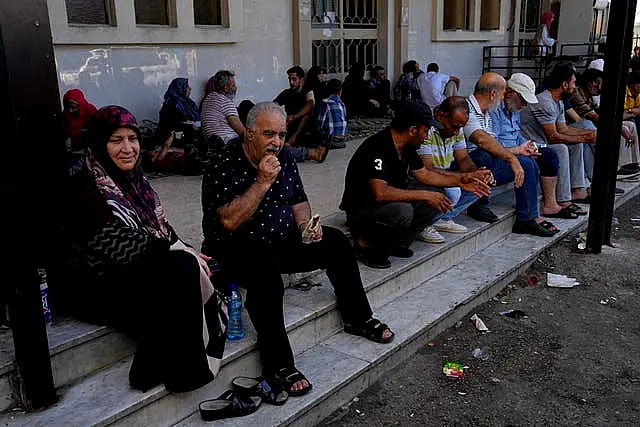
407 182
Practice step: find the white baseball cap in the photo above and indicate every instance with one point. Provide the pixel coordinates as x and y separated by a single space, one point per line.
523 84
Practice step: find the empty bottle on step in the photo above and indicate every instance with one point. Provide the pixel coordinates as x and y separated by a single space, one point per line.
235 330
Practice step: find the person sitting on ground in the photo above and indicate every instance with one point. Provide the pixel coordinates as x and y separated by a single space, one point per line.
219 113
255 208
589 85
436 86
127 264
380 89
407 89
295 100
486 151
208 88
356 94
384 215
178 137
332 117
443 146
506 128
76 113
545 122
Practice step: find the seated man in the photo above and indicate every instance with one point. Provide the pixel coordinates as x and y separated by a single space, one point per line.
589 86
383 214
436 86
219 113
380 89
332 117
506 166
506 127
544 123
255 208
443 145
294 101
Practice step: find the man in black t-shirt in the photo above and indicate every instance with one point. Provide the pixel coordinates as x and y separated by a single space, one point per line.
257 223
383 214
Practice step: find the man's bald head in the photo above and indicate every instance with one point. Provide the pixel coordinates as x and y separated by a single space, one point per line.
489 91
489 82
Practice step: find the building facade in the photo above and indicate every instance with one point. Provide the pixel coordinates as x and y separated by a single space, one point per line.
128 51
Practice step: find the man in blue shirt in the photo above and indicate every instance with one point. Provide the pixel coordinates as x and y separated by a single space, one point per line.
332 117
506 128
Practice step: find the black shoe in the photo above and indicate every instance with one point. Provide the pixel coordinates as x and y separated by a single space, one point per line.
402 252
482 214
628 171
533 228
371 257
619 191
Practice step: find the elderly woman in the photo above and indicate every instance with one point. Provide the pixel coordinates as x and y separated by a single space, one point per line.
178 135
130 270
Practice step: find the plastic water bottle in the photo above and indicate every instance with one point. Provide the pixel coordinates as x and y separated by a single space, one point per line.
44 294
235 330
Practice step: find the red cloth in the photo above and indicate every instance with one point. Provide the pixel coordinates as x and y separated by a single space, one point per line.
75 123
547 18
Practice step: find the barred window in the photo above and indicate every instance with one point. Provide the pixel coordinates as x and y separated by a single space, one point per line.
207 12
458 15
90 12
153 12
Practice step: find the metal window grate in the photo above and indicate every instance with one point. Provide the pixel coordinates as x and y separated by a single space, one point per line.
207 12
152 12
88 12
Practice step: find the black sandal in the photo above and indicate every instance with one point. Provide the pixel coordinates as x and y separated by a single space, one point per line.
549 227
229 404
372 330
532 228
248 387
564 213
287 377
586 200
577 210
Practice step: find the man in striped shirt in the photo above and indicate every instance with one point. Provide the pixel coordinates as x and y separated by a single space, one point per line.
219 113
486 151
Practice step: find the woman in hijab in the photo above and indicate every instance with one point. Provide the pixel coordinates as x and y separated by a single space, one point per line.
131 271
545 42
178 135
75 117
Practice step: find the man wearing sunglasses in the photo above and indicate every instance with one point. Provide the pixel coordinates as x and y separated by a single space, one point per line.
257 224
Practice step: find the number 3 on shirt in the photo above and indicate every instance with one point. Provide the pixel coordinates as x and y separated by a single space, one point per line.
378 163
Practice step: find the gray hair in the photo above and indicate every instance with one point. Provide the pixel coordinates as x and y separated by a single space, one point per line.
264 108
487 87
222 79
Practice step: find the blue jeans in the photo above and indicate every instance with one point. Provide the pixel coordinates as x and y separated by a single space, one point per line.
465 200
526 195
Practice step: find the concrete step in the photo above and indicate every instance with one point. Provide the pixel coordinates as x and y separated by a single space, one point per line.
311 317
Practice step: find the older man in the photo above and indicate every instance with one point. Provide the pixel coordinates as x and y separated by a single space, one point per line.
385 215
506 127
219 113
255 212
544 122
486 151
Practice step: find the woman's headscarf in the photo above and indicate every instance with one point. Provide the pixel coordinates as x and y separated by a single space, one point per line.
547 18
75 123
176 97
128 194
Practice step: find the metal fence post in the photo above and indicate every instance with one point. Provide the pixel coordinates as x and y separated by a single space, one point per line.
617 53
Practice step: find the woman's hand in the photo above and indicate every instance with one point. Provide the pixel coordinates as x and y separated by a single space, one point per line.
202 260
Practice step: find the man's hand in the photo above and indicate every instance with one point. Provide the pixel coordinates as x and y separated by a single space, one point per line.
438 201
268 170
483 175
518 172
590 138
374 103
528 149
477 187
291 119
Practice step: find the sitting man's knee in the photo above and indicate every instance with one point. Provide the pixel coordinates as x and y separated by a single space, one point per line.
528 164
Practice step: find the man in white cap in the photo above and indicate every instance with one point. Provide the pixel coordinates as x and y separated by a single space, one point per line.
519 93
505 165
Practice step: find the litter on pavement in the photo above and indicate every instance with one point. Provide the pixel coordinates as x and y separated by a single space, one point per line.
478 323
514 314
453 370
561 281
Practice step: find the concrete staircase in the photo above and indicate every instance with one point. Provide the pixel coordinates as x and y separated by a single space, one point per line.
418 297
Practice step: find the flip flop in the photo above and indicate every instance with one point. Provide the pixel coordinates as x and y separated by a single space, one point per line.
287 377
577 210
229 404
248 387
372 330
585 201
564 213
549 227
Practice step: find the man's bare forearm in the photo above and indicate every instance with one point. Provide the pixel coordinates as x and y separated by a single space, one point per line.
301 213
239 210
